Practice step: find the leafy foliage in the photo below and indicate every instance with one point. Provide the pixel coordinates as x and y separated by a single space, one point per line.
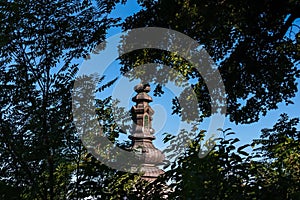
253 43
41 42
229 172
41 155
279 170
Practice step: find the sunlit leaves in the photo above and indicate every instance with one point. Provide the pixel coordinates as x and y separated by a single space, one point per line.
247 40
41 42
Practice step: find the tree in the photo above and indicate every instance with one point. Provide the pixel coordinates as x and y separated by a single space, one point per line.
230 172
41 44
41 154
227 172
254 44
222 174
256 48
278 172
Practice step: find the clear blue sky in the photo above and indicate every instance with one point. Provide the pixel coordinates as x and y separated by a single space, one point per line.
162 105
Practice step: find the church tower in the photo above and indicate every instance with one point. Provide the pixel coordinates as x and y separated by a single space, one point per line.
142 135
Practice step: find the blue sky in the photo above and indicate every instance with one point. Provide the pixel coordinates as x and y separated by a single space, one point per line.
162 105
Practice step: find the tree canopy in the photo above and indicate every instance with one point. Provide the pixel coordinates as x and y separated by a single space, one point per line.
41 44
255 45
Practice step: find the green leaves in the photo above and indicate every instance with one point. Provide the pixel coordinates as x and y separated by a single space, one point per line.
248 40
240 150
41 42
41 156
278 147
230 171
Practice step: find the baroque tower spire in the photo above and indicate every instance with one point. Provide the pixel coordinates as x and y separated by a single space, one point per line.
142 135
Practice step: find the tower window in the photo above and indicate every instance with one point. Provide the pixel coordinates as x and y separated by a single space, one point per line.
146 121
